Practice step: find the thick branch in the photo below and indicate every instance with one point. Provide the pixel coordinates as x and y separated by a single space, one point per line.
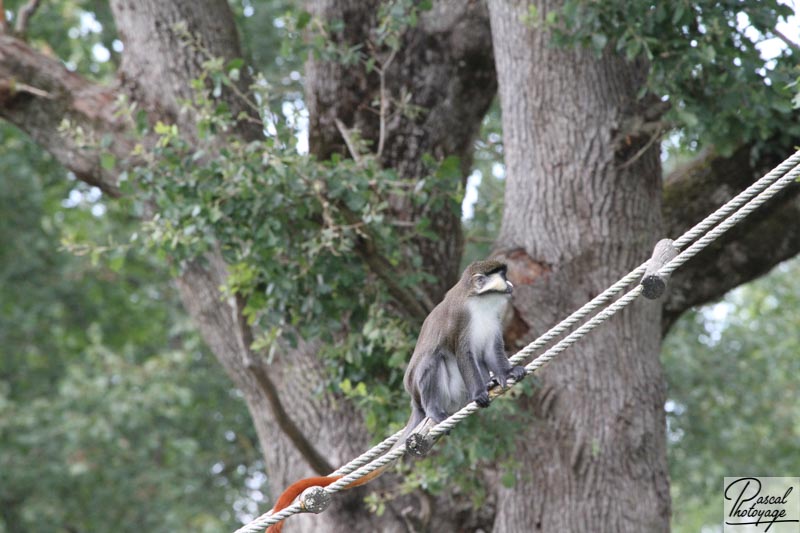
759 243
314 459
38 94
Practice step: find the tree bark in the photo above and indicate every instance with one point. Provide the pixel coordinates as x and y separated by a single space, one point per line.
579 213
166 44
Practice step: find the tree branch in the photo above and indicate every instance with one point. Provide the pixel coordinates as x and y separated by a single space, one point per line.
270 392
38 94
348 140
24 16
413 300
760 242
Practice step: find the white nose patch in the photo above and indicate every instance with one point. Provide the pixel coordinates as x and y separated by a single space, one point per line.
495 283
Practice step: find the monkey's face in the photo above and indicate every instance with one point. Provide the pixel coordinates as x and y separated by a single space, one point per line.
493 283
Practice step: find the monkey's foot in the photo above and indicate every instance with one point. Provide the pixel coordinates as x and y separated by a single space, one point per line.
518 373
482 399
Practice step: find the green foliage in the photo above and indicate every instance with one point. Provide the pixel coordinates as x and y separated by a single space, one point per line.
732 371
292 229
143 429
81 32
111 412
377 355
705 61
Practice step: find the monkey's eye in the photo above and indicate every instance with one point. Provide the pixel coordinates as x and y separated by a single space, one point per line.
479 279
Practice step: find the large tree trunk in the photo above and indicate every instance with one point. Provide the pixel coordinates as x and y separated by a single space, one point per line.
578 217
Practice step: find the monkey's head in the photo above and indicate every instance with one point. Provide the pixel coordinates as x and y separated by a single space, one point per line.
487 277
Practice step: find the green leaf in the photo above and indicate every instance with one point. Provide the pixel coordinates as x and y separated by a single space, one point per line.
235 64
107 161
677 15
633 48
162 128
303 18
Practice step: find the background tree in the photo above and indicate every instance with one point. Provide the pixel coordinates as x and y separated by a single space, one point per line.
712 425
267 244
111 409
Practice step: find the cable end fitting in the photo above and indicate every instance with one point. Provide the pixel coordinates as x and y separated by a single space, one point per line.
418 444
654 283
315 499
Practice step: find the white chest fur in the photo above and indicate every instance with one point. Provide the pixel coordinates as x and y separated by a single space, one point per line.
485 325
485 320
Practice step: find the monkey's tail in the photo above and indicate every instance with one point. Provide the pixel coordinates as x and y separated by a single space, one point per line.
295 489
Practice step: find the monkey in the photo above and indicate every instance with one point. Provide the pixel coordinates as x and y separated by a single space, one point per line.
460 343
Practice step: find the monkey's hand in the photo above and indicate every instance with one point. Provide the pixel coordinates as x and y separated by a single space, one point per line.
482 399
517 373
